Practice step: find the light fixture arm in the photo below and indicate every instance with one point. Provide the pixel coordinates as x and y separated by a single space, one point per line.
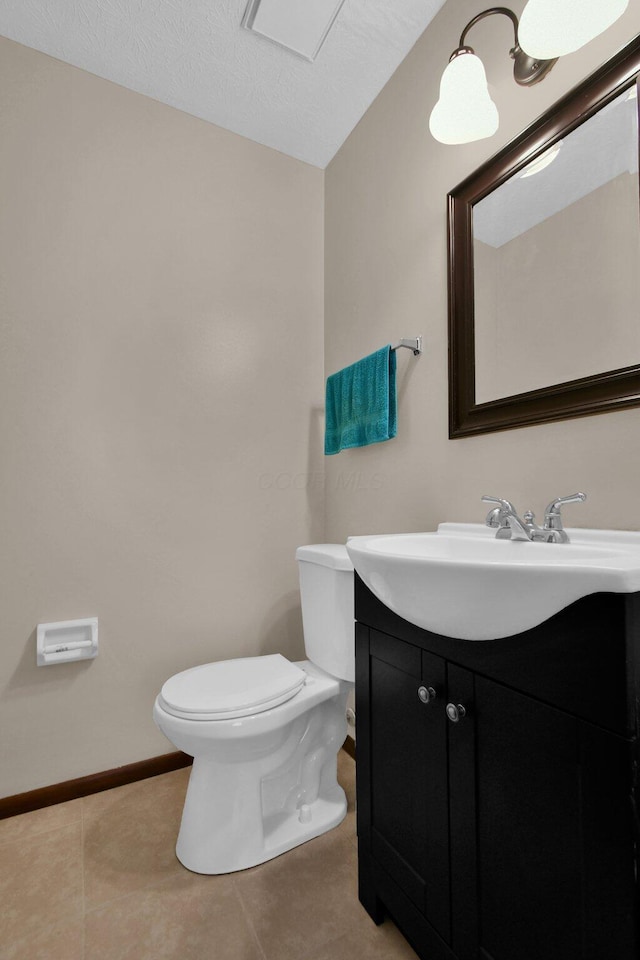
489 13
526 70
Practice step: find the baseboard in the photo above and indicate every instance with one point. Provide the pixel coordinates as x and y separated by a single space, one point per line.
97 782
94 783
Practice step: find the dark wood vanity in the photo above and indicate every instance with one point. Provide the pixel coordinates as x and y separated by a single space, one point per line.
497 783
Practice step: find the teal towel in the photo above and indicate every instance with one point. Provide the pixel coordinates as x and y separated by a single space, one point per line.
361 406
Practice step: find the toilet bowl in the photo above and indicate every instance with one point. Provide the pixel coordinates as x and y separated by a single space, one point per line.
265 732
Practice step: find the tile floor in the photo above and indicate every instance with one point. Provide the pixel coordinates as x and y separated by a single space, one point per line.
97 879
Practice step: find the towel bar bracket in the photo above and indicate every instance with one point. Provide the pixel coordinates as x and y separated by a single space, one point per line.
411 343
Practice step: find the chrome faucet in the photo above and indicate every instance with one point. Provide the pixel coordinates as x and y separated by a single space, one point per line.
505 518
510 526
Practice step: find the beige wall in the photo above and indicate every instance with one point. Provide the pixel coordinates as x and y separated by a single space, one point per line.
385 277
161 373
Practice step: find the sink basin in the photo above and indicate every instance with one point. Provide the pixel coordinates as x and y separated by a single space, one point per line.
462 582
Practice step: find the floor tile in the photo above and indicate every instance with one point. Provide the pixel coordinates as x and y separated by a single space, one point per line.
130 837
303 899
376 943
54 941
143 905
40 882
188 918
27 825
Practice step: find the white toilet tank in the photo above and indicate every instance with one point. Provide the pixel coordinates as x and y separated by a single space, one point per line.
326 594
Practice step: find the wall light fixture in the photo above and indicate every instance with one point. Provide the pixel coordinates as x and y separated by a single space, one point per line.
547 30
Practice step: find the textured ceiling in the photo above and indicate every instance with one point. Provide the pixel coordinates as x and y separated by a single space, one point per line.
194 55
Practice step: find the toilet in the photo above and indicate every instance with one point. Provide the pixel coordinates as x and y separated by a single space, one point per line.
264 733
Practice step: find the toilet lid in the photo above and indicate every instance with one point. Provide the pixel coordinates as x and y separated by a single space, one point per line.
231 688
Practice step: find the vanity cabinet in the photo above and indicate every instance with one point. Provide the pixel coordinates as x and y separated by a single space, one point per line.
496 784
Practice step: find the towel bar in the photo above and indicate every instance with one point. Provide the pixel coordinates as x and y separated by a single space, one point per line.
411 343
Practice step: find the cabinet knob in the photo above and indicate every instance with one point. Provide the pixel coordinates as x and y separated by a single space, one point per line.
426 694
455 712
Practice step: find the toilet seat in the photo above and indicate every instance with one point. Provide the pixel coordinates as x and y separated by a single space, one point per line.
229 689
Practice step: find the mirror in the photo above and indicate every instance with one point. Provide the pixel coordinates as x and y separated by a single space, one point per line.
544 265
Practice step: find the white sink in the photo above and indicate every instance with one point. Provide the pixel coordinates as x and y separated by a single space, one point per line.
462 582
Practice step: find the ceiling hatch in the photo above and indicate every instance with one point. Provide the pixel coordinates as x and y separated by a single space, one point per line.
301 27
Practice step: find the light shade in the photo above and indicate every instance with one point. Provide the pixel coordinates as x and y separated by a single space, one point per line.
552 28
465 110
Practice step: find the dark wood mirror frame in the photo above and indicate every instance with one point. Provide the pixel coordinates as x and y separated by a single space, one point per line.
612 390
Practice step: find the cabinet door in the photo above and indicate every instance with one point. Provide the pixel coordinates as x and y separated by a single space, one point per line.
554 845
409 808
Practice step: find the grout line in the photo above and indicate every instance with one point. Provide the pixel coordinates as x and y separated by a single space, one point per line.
136 891
247 917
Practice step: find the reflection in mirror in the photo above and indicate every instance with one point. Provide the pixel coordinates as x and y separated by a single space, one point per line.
556 252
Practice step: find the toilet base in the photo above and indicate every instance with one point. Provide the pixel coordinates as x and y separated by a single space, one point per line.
281 835
261 786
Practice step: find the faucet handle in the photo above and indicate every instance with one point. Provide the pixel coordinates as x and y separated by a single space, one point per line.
505 505
553 510
553 516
